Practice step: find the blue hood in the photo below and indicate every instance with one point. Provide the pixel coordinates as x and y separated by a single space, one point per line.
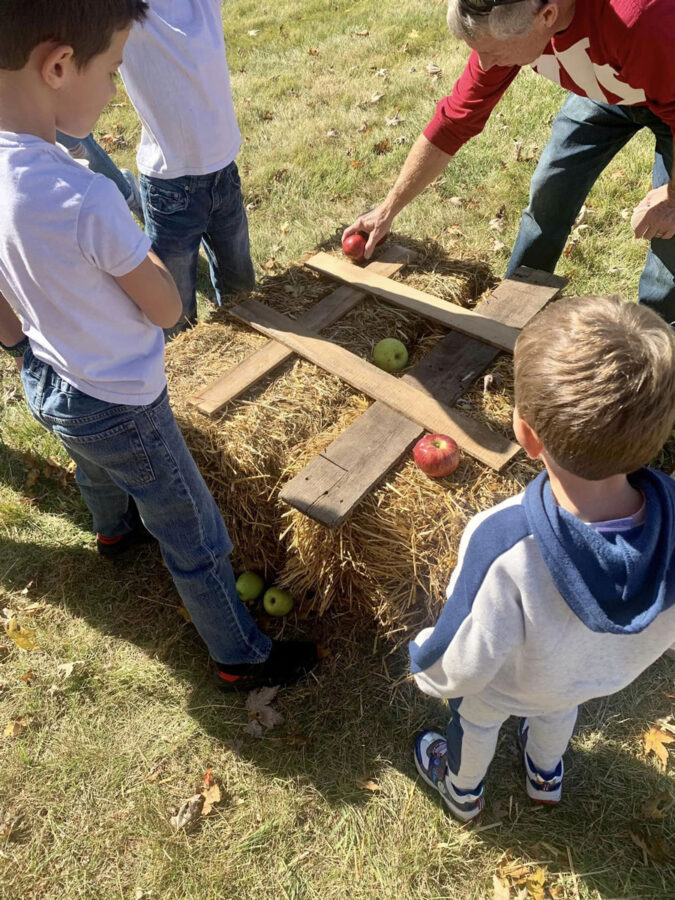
614 583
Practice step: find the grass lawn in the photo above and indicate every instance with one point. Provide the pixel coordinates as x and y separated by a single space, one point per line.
328 805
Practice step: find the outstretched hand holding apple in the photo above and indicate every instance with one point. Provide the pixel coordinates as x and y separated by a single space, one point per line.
654 217
375 225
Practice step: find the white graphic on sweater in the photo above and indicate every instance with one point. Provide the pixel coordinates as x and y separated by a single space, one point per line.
589 76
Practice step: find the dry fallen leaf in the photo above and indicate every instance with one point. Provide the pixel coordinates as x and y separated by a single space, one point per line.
394 121
28 677
9 823
183 613
313 51
253 31
210 792
15 726
652 845
654 741
66 670
261 714
500 889
433 69
332 133
367 784
188 813
375 98
657 806
382 147
22 636
361 33
284 227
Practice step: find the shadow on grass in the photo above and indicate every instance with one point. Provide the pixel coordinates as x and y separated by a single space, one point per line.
358 716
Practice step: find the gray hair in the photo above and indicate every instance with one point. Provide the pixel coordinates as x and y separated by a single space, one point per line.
501 23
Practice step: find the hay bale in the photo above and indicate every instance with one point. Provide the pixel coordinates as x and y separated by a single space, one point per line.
390 561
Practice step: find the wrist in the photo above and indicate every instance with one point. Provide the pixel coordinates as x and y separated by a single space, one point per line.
16 351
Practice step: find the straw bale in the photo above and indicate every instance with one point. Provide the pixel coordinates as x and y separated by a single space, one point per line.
391 560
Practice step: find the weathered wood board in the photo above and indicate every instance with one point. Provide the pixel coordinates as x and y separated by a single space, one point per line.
334 482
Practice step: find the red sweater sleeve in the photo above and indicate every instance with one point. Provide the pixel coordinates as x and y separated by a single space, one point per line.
463 114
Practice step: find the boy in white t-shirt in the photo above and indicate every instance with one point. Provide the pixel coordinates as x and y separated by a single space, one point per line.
175 72
83 302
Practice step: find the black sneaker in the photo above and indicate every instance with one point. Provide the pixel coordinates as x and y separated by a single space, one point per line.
112 547
288 662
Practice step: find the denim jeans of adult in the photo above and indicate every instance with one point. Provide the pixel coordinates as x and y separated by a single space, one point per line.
126 451
99 161
183 213
586 136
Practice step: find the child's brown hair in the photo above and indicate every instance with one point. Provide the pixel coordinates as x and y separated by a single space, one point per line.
85 25
595 379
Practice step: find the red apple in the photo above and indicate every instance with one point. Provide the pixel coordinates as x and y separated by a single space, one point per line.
436 455
354 246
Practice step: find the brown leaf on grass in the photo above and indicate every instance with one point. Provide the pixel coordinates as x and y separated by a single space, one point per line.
313 51
22 636
653 846
188 813
657 806
261 714
28 677
669 695
556 892
210 792
654 741
367 784
183 613
297 739
15 726
10 822
361 33
382 147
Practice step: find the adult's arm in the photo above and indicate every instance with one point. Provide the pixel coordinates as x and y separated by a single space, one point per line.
459 116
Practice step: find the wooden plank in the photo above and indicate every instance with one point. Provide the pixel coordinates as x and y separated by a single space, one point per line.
474 437
465 321
334 482
219 392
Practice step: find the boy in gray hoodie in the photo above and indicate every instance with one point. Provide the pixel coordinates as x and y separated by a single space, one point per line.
566 591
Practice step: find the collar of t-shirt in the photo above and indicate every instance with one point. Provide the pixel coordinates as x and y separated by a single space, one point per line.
614 526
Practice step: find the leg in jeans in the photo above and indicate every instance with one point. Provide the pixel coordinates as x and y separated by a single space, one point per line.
586 136
657 283
472 740
548 736
176 214
226 241
99 161
144 455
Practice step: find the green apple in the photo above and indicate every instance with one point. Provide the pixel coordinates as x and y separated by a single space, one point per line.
277 602
390 354
250 586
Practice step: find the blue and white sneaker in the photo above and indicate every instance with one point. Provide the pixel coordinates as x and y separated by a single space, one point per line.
542 787
431 761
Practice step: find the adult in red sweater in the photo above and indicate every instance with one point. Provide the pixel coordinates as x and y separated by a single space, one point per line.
617 58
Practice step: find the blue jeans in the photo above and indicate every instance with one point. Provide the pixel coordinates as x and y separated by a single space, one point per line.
586 136
99 161
181 214
138 451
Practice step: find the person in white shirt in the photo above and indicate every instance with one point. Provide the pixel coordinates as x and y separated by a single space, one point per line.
175 72
83 301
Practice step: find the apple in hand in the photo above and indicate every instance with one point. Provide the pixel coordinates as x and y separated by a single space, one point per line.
277 602
354 246
390 354
436 455
249 586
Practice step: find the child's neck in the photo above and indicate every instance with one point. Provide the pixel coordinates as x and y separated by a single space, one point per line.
22 107
594 501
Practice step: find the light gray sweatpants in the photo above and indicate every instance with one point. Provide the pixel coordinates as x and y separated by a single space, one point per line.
472 739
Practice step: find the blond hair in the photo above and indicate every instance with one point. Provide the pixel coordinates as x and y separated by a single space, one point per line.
595 379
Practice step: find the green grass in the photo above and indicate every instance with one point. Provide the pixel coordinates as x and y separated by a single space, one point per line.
109 753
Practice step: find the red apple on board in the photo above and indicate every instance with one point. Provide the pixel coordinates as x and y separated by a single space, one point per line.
354 246
436 455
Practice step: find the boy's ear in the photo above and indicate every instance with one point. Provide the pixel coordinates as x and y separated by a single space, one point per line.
526 436
56 66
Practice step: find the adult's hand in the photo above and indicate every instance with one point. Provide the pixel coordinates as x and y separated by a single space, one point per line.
376 223
654 217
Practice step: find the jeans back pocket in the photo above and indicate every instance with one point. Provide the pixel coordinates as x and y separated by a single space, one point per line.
119 450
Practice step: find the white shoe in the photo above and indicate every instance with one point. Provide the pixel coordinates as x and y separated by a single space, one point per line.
542 787
431 761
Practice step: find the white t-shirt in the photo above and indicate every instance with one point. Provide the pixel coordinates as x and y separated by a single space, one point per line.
64 233
175 72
